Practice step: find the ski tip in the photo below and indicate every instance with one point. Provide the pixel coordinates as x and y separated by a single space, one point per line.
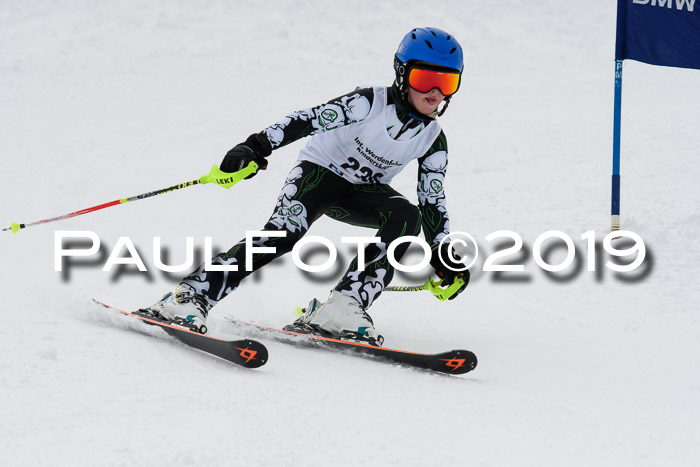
252 354
455 362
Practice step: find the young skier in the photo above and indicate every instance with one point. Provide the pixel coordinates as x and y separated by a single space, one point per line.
359 142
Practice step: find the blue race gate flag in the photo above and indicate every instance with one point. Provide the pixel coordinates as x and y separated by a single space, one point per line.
659 32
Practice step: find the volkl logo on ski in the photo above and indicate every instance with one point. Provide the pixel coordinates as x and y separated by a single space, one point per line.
247 354
454 363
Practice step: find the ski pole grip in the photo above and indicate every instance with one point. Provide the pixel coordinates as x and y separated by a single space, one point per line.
441 293
227 180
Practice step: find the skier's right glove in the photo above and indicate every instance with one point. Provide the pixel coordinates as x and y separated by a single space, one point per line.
255 149
447 274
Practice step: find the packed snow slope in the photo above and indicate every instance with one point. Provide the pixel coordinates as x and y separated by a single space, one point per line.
105 100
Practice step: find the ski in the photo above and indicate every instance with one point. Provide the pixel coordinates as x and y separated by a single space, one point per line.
455 362
245 352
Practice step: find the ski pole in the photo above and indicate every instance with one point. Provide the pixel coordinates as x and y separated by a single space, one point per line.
434 287
216 176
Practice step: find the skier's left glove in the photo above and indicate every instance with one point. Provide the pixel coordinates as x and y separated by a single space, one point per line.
444 272
255 149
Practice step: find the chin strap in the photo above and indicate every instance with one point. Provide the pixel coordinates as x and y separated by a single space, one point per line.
444 107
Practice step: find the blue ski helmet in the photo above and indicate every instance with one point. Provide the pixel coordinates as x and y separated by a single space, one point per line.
427 45
431 45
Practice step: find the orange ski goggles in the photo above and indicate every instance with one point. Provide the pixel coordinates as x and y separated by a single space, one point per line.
425 80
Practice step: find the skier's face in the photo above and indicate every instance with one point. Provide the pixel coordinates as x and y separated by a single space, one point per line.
425 103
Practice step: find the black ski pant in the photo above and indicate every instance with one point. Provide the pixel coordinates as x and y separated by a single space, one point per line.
311 191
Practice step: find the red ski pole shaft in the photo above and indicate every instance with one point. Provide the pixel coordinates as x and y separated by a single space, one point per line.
17 227
226 180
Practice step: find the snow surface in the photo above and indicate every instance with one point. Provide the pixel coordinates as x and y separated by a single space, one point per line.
104 100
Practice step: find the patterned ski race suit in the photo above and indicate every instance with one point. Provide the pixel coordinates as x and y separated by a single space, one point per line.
358 143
